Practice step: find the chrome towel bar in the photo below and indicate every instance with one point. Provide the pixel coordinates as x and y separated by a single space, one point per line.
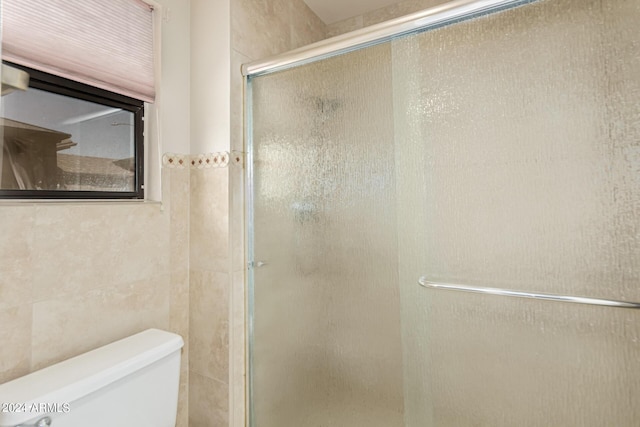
523 294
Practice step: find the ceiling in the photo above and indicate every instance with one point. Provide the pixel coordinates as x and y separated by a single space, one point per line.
331 11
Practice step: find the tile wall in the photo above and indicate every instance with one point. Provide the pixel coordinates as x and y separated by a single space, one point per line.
76 276
209 278
380 15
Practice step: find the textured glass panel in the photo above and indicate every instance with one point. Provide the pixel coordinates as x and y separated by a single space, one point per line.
326 332
518 167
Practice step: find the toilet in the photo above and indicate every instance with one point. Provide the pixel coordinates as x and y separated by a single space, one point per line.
129 383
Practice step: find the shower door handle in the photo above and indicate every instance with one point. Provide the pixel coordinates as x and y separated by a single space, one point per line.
422 281
257 264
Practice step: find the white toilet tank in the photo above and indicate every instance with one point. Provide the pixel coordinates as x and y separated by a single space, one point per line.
129 383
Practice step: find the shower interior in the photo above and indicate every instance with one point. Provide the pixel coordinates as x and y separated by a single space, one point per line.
500 151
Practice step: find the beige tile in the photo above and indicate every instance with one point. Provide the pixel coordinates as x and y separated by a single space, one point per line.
209 324
87 246
237 229
393 11
398 9
165 182
179 285
179 303
345 26
209 219
236 174
15 336
179 214
237 351
237 318
237 100
260 28
16 274
70 325
208 402
266 28
182 418
306 27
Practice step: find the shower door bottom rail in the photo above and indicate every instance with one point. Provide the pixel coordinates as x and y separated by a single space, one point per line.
422 281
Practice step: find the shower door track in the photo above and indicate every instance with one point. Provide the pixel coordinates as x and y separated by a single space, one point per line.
434 17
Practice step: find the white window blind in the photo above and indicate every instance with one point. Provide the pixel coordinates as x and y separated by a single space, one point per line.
103 43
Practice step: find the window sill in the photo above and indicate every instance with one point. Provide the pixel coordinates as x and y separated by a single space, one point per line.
22 202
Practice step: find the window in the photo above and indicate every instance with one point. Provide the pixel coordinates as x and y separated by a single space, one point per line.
64 139
73 129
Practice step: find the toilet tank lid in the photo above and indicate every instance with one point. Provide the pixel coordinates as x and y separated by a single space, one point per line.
68 381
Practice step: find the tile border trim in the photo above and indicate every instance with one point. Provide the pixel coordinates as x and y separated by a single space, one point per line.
221 159
175 161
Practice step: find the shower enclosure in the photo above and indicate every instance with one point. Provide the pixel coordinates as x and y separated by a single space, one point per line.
443 221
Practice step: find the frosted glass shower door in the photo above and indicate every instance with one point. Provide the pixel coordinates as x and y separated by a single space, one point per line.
325 341
518 167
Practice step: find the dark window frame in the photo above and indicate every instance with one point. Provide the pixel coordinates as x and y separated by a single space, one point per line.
61 86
